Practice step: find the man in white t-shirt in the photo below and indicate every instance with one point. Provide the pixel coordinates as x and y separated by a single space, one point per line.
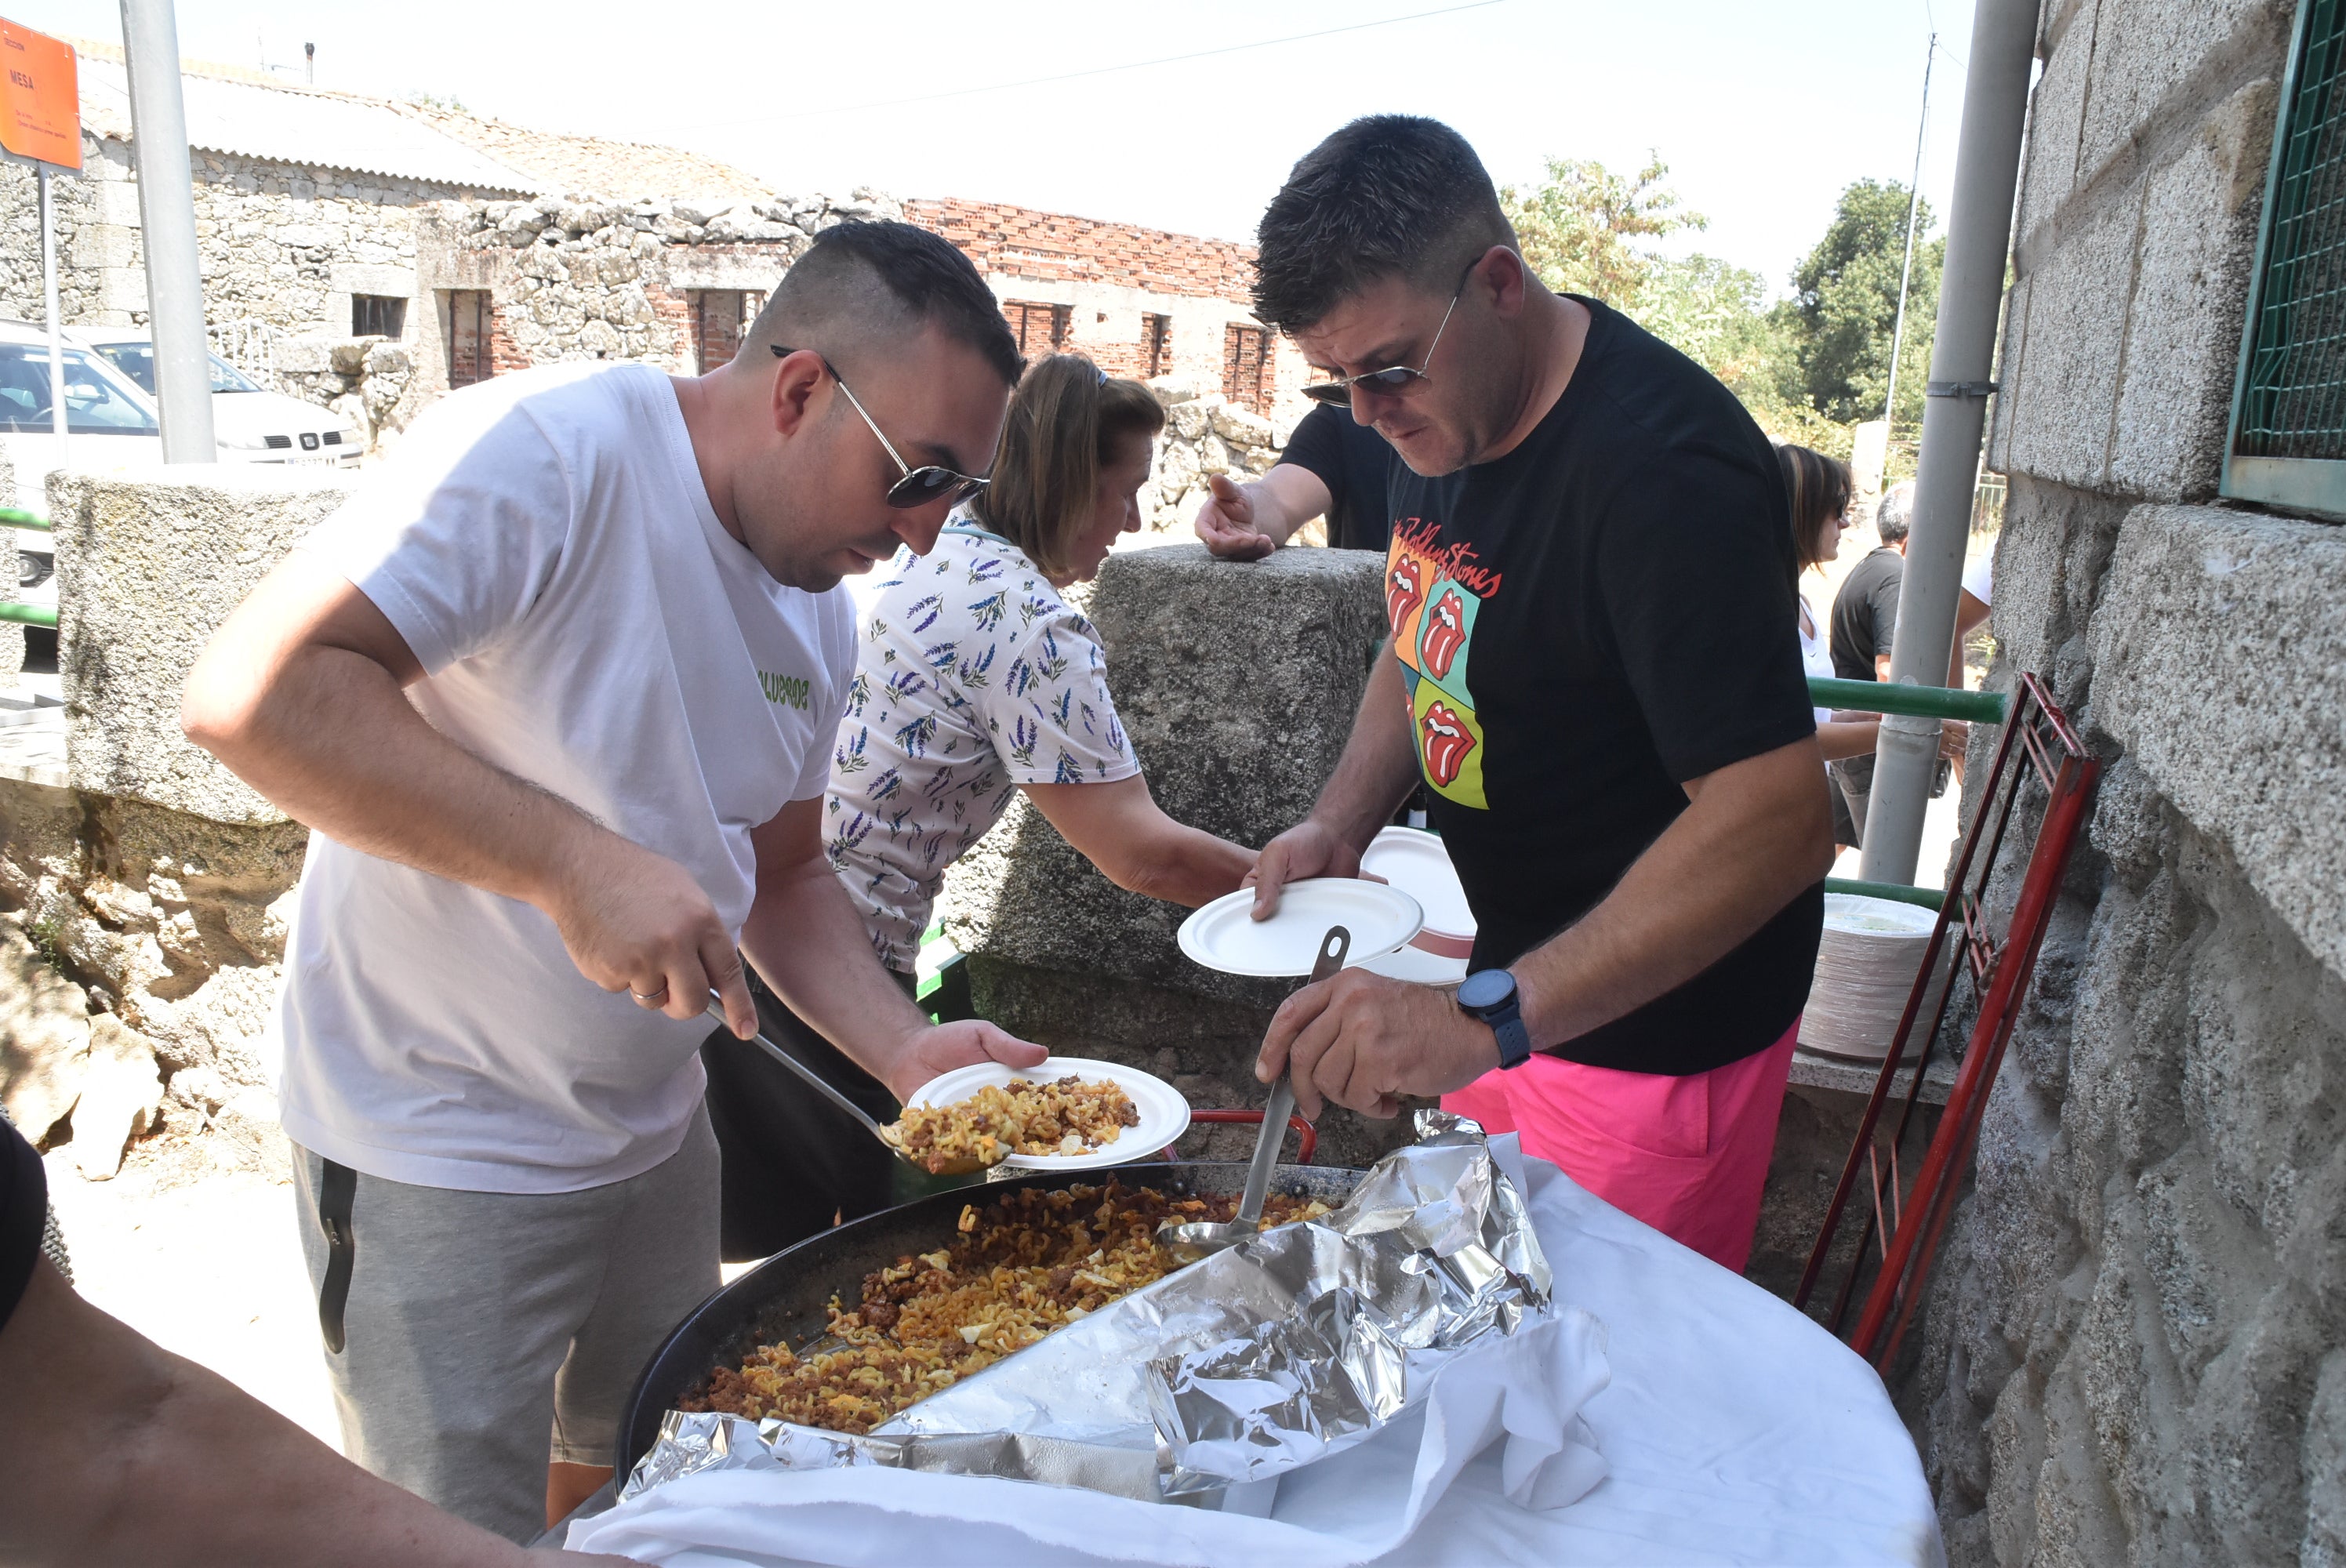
555 692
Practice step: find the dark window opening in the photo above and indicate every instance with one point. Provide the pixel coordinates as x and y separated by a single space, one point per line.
1039 328
720 318
469 355
1246 367
377 316
1156 346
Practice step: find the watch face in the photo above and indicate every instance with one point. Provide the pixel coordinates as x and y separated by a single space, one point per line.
1489 988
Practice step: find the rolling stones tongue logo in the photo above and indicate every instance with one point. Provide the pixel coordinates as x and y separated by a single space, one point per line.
1446 742
1445 633
1405 590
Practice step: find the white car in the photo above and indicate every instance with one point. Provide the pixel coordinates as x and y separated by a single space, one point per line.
111 420
252 425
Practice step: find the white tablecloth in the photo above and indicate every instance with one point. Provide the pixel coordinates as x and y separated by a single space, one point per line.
1734 1432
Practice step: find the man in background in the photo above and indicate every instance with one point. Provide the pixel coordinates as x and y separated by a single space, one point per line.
1865 625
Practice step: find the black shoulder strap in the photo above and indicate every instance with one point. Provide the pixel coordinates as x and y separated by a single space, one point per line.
337 1186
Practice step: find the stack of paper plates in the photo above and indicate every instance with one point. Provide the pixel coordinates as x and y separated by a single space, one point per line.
1866 965
1417 863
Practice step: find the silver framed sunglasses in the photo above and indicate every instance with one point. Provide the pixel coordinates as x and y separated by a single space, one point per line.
1393 378
918 486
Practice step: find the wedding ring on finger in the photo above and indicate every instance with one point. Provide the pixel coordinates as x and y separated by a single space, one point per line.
649 997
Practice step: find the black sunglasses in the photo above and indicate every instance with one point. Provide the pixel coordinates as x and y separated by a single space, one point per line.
1338 393
918 486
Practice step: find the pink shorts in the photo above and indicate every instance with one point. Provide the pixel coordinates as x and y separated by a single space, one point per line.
1686 1156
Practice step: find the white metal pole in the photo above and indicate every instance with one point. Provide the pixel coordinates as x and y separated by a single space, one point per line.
49 294
1906 273
166 210
1954 409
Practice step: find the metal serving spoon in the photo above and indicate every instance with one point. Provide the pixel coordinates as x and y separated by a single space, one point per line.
813 1080
1189 1242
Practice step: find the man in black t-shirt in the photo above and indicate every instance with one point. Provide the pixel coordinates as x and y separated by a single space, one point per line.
1334 466
1865 623
1594 670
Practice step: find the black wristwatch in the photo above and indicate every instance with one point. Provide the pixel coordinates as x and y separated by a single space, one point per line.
1490 995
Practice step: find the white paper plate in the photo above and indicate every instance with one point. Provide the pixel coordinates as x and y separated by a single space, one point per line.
1164 1114
1418 967
1859 912
1416 863
1225 935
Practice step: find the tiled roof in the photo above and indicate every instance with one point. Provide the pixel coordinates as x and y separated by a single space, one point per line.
584 165
249 115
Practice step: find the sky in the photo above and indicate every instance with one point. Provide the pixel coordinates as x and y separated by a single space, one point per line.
1764 109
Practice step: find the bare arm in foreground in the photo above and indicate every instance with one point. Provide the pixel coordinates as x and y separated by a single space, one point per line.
121 1452
300 695
808 940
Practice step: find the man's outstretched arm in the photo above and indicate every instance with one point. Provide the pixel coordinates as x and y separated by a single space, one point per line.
300 695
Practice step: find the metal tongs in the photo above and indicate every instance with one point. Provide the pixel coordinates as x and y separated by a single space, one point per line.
863 1118
1199 1238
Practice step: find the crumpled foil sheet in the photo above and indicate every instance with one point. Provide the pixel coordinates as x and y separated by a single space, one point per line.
1277 1352
689 1444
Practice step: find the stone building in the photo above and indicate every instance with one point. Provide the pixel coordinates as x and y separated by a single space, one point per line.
2137 1347
373 253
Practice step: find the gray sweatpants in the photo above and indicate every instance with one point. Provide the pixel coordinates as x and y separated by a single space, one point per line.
476 1318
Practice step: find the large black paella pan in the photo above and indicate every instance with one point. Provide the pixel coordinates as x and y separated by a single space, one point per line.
785 1298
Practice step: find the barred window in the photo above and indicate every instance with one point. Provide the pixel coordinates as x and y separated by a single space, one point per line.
1040 329
1246 366
2288 438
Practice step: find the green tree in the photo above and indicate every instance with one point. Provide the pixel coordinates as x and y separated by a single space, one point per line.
1715 313
1844 307
1586 230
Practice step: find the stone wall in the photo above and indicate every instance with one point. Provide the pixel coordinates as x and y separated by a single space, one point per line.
370 381
2136 1346
281 244
155 881
1204 435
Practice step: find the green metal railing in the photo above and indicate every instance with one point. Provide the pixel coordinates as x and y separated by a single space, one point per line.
26 615
1922 701
1928 898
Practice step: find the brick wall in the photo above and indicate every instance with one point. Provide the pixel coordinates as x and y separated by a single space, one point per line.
1024 242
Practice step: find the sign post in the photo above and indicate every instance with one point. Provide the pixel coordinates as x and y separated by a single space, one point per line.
40 121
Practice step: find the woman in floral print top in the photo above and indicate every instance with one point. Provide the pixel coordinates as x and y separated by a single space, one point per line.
975 680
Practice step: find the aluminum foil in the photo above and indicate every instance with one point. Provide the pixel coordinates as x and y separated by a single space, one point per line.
689 1444
1277 1352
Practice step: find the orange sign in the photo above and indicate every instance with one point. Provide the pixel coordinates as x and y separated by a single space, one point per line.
40 98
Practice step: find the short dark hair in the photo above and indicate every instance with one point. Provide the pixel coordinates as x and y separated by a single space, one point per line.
857 275
1389 194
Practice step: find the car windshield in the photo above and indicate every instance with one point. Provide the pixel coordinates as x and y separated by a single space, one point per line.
136 360
96 404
